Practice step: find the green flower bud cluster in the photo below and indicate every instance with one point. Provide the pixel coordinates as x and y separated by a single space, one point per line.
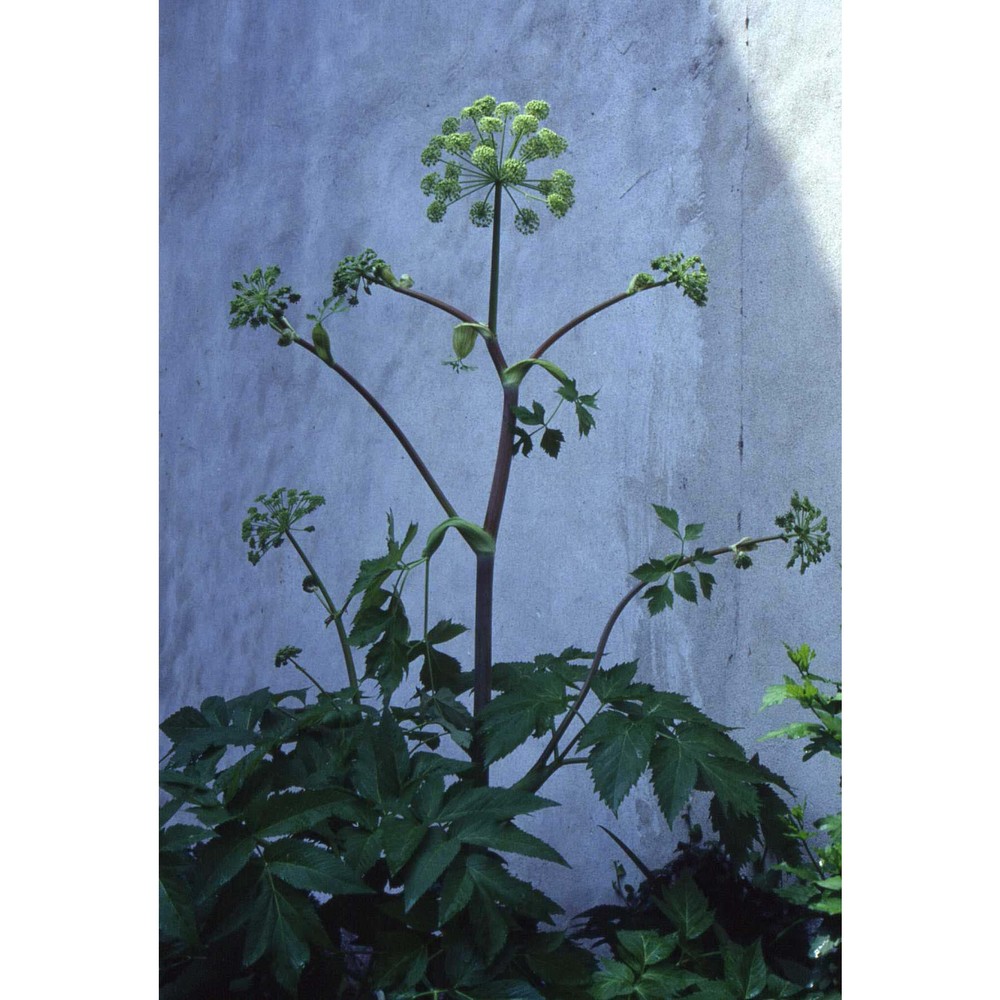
285 655
806 528
687 273
265 529
558 191
258 302
361 272
494 151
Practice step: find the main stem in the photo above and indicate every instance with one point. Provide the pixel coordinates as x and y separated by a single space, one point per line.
483 638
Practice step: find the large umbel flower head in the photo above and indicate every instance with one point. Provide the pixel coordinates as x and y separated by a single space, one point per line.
491 144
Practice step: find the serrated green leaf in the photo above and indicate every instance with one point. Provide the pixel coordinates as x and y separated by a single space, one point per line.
686 906
428 865
462 802
646 948
650 572
569 391
381 762
282 923
192 734
793 731
745 970
373 619
706 581
177 914
456 891
444 631
522 441
669 517
659 598
674 772
778 989
775 694
168 810
401 960
692 532
439 670
296 812
620 755
505 837
703 736
527 709
221 860
584 418
311 867
534 417
665 981
552 440
615 979
732 783
611 684
828 904
801 895
684 586
493 882
182 835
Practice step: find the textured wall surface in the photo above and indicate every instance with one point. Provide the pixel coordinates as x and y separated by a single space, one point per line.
291 134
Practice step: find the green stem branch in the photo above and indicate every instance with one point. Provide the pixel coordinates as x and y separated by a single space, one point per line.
496 355
577 320
538 768
392 425
352 674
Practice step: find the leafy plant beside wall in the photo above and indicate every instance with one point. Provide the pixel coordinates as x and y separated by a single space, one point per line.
726 930
344 840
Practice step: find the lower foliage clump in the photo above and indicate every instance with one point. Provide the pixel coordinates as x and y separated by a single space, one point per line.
348 846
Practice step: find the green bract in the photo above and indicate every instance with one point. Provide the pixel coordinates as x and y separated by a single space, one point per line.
492 154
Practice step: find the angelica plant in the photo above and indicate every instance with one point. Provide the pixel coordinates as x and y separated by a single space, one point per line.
357 796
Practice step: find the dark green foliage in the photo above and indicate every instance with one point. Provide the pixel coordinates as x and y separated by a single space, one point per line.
332 798
770 929
552 438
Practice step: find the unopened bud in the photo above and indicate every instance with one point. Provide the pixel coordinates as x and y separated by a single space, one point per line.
321 341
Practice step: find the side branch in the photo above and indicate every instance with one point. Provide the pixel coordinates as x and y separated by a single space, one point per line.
392 425
496 355
600 307
539 766
431 300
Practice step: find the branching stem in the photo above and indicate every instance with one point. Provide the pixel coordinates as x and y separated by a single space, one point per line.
539 766
352 674
496 355
577 320
392 425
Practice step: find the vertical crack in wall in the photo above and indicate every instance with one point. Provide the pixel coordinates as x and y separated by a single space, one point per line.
742 328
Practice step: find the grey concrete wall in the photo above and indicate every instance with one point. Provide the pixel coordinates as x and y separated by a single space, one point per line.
291 134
